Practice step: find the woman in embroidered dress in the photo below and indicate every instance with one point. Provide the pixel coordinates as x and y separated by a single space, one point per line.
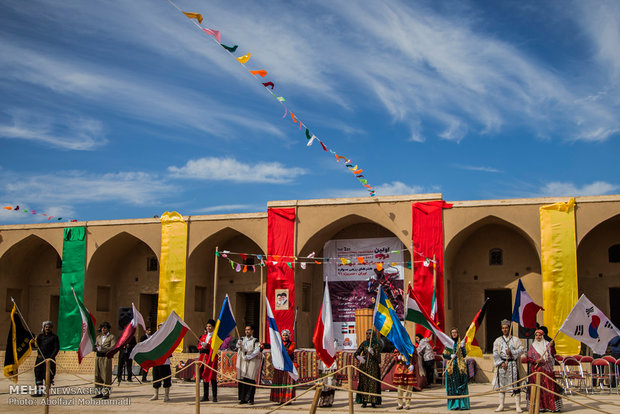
456 373
284 394
541 357
404 379
369 356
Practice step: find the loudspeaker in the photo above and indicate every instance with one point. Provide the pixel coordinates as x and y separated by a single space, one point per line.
125 315
526 333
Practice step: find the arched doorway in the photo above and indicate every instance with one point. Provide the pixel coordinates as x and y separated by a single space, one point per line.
486 259
122 271
309 282
30 273
243 288
598 267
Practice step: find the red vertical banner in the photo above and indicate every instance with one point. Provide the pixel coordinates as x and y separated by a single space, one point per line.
427 235
281 266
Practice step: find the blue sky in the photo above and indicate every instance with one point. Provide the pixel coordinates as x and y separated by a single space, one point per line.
125 109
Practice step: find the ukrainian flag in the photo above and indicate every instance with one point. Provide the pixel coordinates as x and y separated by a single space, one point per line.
223 327
387 323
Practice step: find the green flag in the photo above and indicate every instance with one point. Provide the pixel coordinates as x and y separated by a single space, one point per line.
73 266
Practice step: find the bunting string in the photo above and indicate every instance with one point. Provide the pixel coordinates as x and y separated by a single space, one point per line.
197 19
375 260
35 212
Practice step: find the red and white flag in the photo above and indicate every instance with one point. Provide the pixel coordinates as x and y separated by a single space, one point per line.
323 337
525 310
128 332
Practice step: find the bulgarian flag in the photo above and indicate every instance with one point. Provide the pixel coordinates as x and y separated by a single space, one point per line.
471 345
416 313
156 349
89 334
128 332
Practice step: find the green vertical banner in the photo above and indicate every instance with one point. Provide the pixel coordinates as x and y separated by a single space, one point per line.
73 266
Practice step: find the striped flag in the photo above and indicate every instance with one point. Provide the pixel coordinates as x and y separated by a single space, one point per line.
323 337
128 332
525 310
471 344
279 356
223 327
156 349
89 334
416 313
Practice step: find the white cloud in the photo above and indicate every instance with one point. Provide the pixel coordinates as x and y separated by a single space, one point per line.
386 189
478 168
69 132
229 169
554 189
76 187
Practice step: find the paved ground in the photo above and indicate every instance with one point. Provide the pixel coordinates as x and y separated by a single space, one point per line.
134 397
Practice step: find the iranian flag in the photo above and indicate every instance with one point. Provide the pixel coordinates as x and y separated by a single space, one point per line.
89 334
156 349
416 313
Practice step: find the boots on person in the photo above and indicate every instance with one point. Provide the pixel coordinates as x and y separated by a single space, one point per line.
166 394
502 397
518 403
155 394
205 393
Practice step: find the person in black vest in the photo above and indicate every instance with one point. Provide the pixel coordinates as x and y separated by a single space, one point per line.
48 345
144 337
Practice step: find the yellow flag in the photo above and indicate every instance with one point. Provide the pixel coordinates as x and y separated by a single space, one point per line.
244 58
172 269
196 16
558 249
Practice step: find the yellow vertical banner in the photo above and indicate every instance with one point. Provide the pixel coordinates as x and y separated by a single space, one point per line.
172 268
559 270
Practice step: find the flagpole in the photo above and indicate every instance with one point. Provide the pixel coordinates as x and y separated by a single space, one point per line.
26 323
261 323
215 282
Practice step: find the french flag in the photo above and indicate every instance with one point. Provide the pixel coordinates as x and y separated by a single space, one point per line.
279 356
525 309
323 337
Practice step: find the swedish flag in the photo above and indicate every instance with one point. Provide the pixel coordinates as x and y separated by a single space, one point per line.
387 323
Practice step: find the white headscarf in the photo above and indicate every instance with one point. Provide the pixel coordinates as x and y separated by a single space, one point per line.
540 346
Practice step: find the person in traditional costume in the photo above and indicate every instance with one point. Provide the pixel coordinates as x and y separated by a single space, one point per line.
507 351
425 350
282 395
326 398
369 356
208 375
403 379
248 364
162 375
104 343
456 373
540 356
48 345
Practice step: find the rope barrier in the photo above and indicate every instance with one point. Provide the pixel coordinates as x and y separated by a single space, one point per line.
319 383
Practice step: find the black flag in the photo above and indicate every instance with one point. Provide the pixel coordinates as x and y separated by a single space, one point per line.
18 345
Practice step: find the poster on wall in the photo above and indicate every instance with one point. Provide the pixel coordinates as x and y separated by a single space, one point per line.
354 285
281 299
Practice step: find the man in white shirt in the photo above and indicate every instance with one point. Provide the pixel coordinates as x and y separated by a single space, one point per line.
507 351
248 364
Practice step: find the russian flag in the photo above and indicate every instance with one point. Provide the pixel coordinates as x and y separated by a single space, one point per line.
525 309
323 337
279 357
